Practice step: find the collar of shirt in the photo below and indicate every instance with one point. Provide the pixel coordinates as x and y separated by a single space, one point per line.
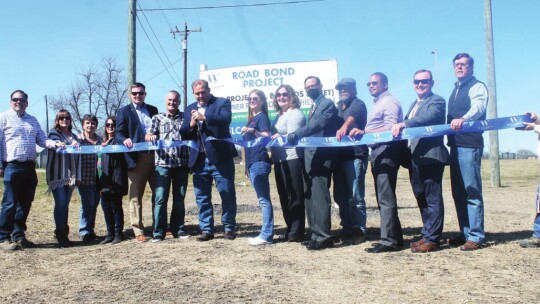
169 115
464 81
316 101
385 93
139 107
13 112
346 102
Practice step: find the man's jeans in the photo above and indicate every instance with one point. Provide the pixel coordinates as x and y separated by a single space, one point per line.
349 193
536 228
203 175
467 191
20 183
89 202
164 177
258 175
62 196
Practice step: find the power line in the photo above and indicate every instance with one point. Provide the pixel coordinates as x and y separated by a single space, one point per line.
159 43
229 6
157 53
177 60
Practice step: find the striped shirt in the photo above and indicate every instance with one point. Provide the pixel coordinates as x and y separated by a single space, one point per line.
167 127
19 136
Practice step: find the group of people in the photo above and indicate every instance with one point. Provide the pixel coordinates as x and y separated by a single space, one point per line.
303 175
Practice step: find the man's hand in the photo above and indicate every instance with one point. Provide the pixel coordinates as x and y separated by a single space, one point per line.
456 124
128 143
396 129
292 139
356 131
341 132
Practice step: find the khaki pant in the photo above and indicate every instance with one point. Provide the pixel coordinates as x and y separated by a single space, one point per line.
143 172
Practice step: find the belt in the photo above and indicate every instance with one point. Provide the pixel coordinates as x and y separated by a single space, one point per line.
22 163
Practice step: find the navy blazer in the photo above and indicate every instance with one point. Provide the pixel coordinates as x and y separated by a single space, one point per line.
128 125
218 120
429 150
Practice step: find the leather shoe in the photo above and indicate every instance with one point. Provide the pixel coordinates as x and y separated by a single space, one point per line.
418 243
456 241
314 245
470 246
425 247
229 235
205 237
381 248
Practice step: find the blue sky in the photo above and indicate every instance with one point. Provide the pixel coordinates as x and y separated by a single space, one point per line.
46 43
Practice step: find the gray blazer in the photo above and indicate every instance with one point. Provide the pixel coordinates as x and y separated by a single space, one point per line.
431 111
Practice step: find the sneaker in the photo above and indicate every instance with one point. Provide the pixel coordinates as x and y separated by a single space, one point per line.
182 235
10 246
205 237
257 241
532 242
90 237
157 239
140 238
25 243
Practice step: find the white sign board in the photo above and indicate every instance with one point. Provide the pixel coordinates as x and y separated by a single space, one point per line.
235 83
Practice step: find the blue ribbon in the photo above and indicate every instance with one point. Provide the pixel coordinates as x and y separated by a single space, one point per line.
347 141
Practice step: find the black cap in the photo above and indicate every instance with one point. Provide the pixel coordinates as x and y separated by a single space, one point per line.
346 82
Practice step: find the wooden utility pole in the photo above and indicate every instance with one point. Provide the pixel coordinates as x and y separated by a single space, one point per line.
492 105
132 58
185 32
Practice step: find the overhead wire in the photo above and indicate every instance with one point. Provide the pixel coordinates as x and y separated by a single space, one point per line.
232 6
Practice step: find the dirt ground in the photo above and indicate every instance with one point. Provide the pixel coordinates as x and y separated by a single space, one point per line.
223 271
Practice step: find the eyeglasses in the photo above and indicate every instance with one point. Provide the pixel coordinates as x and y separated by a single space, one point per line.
460 64
18 99
315 86
421 81
254 99
137 93
110 125
285 95
64 118
372 83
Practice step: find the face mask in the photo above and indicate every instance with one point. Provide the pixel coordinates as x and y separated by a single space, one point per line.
313 93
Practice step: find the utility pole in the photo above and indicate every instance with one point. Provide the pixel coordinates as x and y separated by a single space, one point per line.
185 32
46 113
132 62
492 105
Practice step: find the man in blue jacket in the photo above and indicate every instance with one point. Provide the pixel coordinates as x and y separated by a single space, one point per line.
211 116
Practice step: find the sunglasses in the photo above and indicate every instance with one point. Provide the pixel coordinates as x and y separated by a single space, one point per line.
282 94
137 93
64 118
18 99
110 125
421 81
254 99
372 83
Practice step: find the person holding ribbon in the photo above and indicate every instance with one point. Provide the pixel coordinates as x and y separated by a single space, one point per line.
88 188
288 162
323 122
429 156
258 164
171 167
63 174
114 185
534 240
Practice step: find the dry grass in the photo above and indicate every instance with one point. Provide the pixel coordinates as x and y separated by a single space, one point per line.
223 271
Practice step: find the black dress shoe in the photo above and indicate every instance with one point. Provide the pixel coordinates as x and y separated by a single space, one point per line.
381 248
229 235
205 237
314 245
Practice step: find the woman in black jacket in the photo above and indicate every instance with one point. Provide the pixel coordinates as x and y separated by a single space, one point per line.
114 184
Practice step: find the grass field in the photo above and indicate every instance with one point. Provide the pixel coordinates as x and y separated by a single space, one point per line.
222 271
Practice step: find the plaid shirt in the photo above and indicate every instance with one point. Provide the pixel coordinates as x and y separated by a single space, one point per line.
167 126
89 163
19 136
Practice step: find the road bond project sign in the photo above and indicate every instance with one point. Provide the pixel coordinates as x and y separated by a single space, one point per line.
235 83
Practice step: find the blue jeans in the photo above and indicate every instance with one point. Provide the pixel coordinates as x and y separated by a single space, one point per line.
223 173
89 202
258 175
349 192
62 196
536 227
467 191
359 192
164 177
111 203
20 183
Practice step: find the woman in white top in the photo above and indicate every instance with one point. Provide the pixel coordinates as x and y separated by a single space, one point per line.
288 164
534 241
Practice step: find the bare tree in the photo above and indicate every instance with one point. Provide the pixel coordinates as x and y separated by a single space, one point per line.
97 91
